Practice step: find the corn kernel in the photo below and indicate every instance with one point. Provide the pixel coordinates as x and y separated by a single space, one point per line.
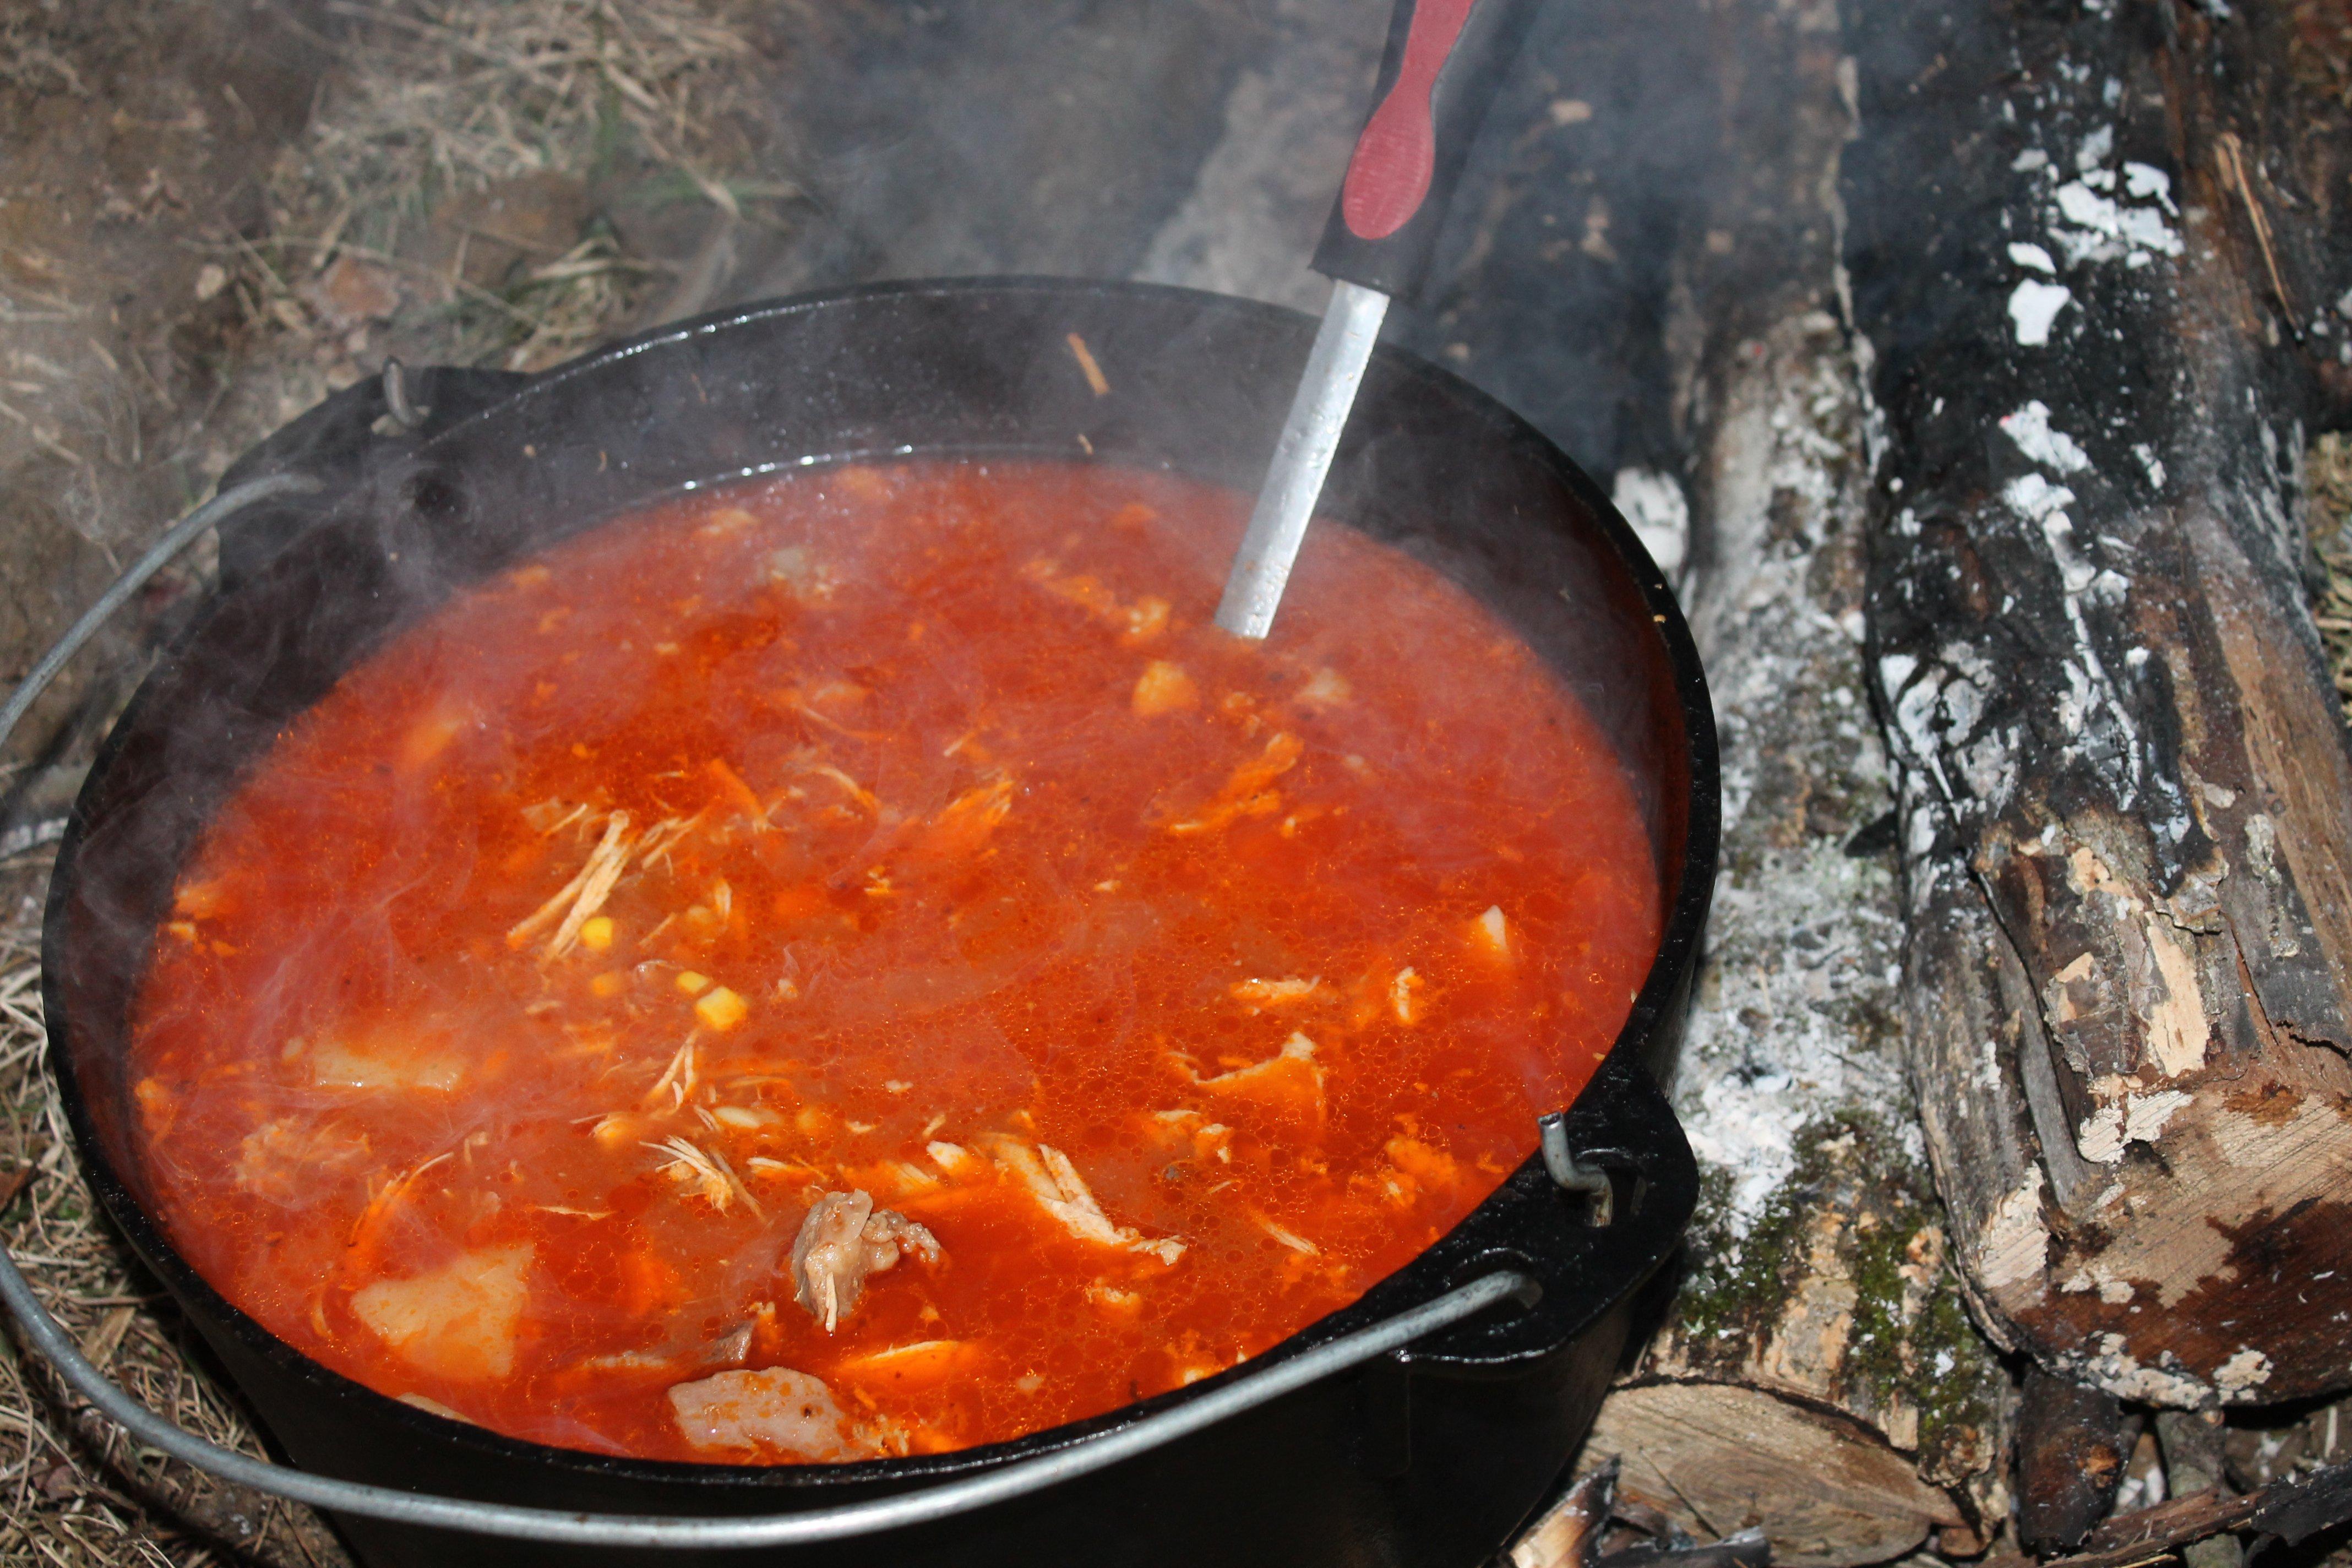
608 983
721 1009
692 983
596 933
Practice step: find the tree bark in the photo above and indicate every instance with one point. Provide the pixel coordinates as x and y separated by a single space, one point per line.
1817 1376
2126 795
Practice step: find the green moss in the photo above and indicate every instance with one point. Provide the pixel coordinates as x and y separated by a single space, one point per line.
1931 1357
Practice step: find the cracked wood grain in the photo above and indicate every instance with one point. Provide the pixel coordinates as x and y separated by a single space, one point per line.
2125 796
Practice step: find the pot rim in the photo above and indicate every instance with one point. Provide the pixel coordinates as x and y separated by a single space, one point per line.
1685 913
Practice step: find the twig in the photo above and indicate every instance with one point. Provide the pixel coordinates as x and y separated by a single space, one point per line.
2290 1509
2233 169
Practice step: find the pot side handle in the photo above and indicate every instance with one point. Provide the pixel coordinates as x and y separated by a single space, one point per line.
339 441
1585 1247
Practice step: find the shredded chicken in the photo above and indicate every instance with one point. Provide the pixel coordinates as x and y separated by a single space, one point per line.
843 1241
1062 1193
1137 623
963 824
707 1173
856 791
1290 1081
1289 1238
1260 993
1250 791
284 1160
552 816
583 896
664 835
677 1078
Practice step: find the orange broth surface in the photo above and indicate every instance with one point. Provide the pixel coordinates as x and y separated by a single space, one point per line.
906 829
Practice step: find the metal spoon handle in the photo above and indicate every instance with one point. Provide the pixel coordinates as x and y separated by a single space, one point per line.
1302 456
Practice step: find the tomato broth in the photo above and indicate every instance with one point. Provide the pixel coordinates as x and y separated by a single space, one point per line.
858 964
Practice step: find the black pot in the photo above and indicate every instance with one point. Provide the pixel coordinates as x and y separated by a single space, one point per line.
1430 1457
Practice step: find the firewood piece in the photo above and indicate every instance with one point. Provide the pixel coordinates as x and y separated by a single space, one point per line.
2167 1527
2293 1511
1565 1536
2070 1459
2127 799
1716 1459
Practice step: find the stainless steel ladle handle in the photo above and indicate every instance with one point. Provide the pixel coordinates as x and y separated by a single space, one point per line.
48 1338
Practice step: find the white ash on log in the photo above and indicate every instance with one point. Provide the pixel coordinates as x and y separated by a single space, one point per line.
1818 1377
2127 799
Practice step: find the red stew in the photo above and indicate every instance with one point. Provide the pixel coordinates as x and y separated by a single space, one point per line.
905 833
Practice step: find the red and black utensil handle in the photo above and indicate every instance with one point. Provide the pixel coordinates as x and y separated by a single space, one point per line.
1445 59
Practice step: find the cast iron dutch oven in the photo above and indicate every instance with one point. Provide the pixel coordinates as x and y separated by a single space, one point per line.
1429 1457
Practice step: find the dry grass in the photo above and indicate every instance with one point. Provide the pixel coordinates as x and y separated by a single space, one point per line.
2327 480
72 1489
570 110
453 127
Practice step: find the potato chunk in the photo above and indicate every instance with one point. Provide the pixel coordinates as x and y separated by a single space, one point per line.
386 1061
457 1320
774 1407
1163 687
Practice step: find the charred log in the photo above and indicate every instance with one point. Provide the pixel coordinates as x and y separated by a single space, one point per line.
2126 795
2071 1448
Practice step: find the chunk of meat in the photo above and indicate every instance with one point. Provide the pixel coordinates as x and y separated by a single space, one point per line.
1258 995
1288 1082
1490 933
842 1243
1414 1168
457 1320
1136 623
1062 1193
1250 791
285 1160
774 1407
801 572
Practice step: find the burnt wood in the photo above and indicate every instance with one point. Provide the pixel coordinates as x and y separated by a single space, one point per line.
2126 795
2071 1447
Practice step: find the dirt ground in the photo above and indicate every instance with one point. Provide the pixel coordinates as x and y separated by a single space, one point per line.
211 216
